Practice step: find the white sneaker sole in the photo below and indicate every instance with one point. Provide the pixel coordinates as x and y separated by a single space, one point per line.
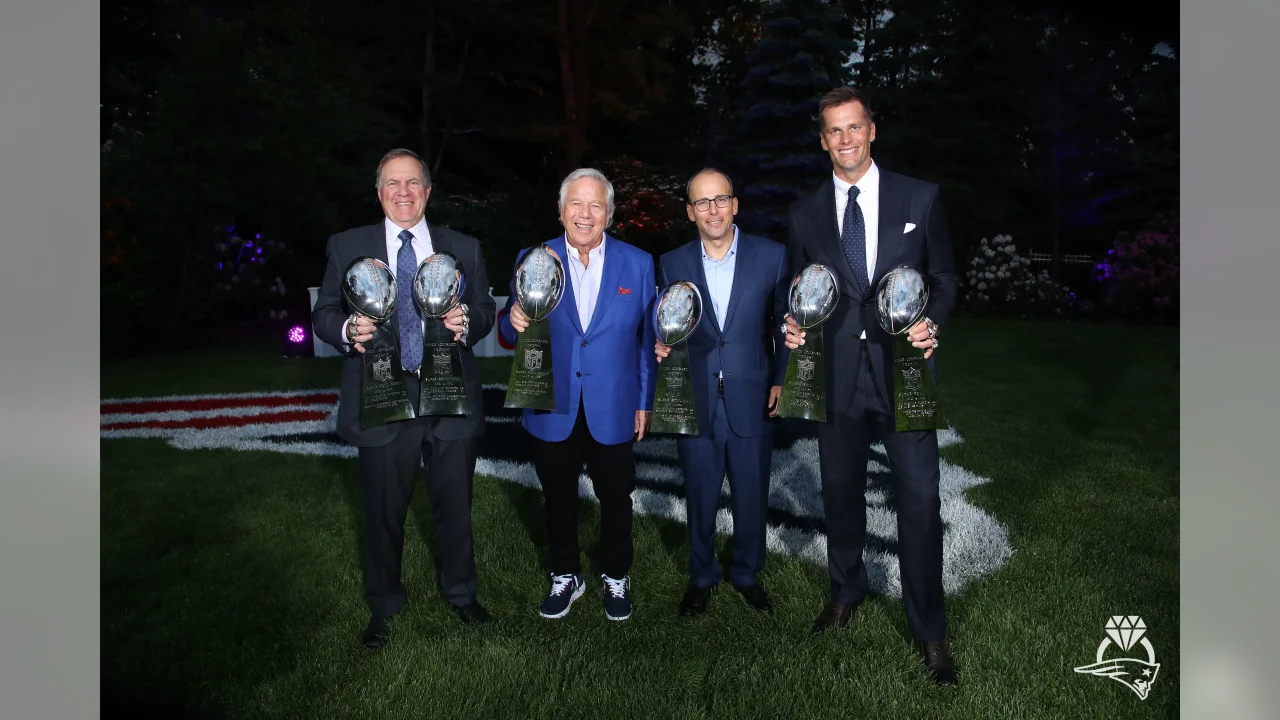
576 594
617 619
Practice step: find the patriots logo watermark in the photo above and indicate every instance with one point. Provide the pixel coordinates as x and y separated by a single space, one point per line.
974 544
1126 631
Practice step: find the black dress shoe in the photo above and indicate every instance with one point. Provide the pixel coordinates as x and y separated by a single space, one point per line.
938 661
756 597
378 631
472 613
833 616
695 600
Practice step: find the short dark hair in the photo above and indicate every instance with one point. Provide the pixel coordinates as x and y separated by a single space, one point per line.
392 155
688 187
840 96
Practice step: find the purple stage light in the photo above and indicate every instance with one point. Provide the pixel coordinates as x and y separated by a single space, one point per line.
297 334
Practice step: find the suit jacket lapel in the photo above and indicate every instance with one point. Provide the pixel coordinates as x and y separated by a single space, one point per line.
893 213
376 247
440 241
828 229
741 268
570 300
613 262
697 273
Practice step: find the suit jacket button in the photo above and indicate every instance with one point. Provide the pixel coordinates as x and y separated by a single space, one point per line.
584 343
579 373
723 343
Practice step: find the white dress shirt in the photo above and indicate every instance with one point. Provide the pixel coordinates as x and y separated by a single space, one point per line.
869 203
586 279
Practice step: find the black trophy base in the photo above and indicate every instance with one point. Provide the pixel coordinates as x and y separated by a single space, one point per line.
804 388
915 397
384 396
531 384
673 408
444 389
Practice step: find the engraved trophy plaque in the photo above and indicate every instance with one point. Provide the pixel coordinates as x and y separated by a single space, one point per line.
539 285
437 288
812 298
370 290
676 313
901 298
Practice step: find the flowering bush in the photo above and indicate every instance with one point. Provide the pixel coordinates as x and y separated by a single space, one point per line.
1000 282
1140 273
241 276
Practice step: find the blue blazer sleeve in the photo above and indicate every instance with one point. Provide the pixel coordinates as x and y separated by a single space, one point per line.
648 361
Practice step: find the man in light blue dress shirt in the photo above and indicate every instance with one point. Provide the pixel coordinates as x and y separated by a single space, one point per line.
737 360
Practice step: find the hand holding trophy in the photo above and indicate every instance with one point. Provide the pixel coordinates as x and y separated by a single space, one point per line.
539 285
901 299
370 290
813 297
438 286
676 314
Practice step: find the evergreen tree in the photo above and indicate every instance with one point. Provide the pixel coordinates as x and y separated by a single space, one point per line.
804 51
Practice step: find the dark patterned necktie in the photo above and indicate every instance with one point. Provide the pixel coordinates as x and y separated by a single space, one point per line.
853 237
407 316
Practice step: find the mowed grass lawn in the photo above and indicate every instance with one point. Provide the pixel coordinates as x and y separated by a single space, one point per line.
231 581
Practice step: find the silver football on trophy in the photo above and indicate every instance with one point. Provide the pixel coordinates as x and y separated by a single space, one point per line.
901 298
677 312
370 288
539 282
813 295
439 283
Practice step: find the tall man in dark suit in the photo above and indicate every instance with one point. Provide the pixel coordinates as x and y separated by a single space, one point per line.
604 370
390 454
863 222
737 360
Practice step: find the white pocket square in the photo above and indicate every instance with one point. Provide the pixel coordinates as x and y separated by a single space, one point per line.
909 228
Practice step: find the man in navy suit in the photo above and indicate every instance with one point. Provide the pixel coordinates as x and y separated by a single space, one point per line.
604 372
737 359
863 222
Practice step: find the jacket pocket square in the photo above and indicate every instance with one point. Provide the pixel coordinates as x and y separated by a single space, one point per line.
624 291
909 228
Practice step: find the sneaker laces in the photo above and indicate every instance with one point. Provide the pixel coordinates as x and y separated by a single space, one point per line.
560 583
616 588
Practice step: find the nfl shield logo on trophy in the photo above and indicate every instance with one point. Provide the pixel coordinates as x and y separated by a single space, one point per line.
382 369
805 369
911 378
533 359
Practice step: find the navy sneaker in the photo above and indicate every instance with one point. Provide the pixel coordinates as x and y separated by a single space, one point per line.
564 590
617 597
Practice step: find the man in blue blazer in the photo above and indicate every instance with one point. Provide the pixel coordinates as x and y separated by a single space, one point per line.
737 358
604 371
863 222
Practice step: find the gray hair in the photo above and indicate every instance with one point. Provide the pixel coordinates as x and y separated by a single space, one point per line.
595 175
392 155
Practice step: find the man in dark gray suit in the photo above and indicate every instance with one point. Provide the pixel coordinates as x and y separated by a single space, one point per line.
862 222
389 454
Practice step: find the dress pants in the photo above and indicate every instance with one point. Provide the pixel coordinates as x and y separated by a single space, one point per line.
703 460
387 474
612 469
843 449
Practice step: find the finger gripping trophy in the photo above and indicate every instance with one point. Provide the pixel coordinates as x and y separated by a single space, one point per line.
676 314
369 288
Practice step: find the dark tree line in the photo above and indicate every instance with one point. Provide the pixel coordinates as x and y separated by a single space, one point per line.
223 120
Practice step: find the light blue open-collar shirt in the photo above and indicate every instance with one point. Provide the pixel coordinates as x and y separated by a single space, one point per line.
720 276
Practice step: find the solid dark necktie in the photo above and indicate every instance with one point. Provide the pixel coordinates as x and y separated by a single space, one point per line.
853 237
407 316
